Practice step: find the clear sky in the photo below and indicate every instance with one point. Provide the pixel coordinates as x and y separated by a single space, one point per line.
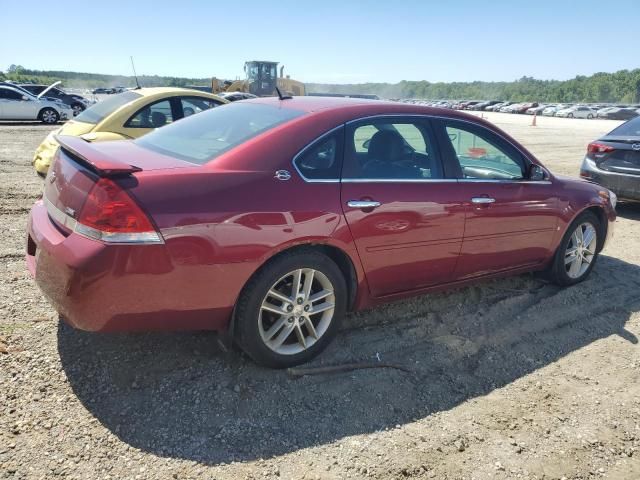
327 41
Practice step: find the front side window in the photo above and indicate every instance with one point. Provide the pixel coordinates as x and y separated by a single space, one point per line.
192 105
321 160
155 115
389 149
483 155
9 94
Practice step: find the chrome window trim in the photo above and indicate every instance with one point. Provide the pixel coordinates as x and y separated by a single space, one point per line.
440 117
307 147
413 180
399 180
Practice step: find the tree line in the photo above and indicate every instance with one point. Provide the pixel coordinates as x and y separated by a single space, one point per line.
619 87
17 73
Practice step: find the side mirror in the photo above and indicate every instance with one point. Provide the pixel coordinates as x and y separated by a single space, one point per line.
25 98
537 173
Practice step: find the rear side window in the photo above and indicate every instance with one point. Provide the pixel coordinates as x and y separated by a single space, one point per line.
630 128
387 149
321 160
483 155
155 115
103 109
201 138
192 105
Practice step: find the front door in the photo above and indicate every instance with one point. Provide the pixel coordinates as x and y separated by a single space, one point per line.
406 222
14 107
510 220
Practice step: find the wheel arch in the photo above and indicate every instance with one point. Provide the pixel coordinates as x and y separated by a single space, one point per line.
342 259
599 211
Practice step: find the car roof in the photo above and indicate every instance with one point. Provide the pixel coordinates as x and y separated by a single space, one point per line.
358 107
167 91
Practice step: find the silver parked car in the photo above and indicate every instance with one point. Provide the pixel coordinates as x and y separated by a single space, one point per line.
19 104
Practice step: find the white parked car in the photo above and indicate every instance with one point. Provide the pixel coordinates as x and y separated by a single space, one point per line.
576 112
18 104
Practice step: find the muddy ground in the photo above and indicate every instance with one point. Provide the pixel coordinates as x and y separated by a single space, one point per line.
511 378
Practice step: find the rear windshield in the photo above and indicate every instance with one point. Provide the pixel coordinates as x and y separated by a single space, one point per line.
201 138
101 110
628 129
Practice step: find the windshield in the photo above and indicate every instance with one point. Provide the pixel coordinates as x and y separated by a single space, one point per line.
203 137
102 109
628 129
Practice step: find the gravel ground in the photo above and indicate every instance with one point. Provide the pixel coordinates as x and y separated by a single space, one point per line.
510 378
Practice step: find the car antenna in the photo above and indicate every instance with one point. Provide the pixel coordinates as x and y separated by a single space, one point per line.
138 87
281 96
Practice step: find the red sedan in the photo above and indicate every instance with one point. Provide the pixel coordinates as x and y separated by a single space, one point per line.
269 219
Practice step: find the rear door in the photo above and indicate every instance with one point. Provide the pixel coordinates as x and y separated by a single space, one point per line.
510 221
406 221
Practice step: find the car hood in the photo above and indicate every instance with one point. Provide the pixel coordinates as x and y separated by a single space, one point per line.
75 128
42 93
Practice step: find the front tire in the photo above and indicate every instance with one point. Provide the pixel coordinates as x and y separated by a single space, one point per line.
291 309
570 115
77 109
578 250
49 116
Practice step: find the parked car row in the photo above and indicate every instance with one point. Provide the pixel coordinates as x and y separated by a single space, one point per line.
16 103
566 110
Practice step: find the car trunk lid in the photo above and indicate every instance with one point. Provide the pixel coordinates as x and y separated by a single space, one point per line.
624 156
79 165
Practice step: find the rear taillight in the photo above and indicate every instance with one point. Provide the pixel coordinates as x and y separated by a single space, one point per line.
595 148
111 215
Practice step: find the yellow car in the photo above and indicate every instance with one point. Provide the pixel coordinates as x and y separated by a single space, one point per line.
127 115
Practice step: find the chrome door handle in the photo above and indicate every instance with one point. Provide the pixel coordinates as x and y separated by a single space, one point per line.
482 200
363 204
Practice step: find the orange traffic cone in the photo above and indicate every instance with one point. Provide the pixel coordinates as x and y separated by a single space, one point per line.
533 122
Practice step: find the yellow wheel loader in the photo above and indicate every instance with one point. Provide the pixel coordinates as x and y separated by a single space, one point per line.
261 80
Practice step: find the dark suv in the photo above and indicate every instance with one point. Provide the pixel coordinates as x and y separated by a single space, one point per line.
76 102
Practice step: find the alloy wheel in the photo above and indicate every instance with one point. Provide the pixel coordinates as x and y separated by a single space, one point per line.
77 110
581 250
49 116
296 311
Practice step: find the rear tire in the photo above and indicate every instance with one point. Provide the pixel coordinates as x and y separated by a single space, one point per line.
578 251
49 116
275 322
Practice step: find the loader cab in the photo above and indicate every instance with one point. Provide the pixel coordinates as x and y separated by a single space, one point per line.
262 77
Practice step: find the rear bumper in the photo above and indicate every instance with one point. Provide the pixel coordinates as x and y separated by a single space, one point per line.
99 287
625 186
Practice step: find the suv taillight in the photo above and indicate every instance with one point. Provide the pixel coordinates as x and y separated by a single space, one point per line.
109 214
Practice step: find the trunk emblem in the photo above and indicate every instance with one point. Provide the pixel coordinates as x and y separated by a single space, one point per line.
70 211
636 146
52 177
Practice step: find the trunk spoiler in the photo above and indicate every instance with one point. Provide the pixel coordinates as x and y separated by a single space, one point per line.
90 156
